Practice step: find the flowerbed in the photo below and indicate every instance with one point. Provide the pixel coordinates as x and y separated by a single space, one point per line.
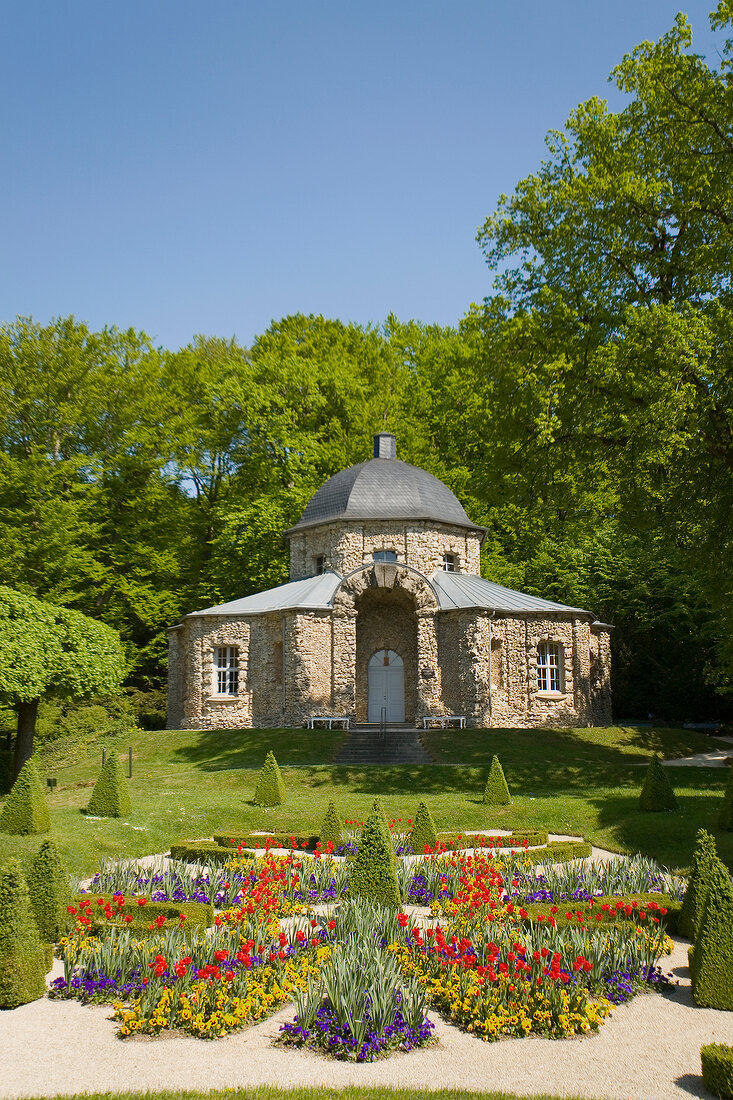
505 951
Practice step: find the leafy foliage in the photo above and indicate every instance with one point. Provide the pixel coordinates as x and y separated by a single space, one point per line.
717 1069
698 885
22 955
373 874
711 967
331 828
111 796
424 833
657 793
725 817
496 791
50 893
270 787
26 810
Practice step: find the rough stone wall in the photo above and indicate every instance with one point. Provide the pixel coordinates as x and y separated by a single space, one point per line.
307 665
386 620
266 670
345 546
600 675
203 708
176 678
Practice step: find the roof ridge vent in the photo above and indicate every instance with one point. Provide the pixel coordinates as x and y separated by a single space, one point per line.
385 445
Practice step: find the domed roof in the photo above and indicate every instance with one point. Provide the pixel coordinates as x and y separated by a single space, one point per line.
384 488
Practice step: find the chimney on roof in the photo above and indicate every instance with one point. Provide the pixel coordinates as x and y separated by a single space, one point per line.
385 445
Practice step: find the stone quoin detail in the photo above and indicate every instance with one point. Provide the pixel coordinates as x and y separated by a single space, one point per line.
385 560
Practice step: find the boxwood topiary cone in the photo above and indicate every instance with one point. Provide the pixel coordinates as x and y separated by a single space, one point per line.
698 885
270 789
373 872
656 790
50 893
110 797
725 817
424 834
496 791
331 828
712 960
26 810
22 955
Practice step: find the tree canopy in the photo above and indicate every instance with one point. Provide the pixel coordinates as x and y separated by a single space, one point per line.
583 412
49 650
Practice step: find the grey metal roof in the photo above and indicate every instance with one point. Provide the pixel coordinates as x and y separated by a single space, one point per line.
458 590
384 488
310 592
454 590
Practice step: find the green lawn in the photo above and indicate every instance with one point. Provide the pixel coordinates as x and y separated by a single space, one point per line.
190 784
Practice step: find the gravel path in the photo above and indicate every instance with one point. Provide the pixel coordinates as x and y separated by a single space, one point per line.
648 1050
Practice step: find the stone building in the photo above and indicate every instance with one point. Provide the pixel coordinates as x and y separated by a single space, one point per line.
386 616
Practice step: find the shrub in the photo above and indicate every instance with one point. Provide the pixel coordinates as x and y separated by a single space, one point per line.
50 893
331 828
26 810
725 817
22 955
717 1069
423 831
259 840
110 797
656 791
712 962
496 791
373 872
198 914
202 851
270 789
489 840
697 885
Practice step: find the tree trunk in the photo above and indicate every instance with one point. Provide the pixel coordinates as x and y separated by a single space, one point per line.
27 713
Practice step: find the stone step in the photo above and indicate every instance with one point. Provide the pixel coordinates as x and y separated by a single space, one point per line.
401 746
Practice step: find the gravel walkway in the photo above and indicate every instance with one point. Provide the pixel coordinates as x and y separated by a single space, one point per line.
648 1049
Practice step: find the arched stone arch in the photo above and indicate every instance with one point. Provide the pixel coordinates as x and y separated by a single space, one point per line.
385 605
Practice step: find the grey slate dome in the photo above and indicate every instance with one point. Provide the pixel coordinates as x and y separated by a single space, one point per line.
384 488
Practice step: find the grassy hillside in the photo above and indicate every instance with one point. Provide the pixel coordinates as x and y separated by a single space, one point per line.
190 784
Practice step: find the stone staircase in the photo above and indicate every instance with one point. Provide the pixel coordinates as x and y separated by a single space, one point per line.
401 745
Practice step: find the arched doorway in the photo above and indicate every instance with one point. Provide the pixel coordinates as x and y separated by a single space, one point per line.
386 677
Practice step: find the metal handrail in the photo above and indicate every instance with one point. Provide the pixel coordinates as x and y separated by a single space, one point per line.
383 724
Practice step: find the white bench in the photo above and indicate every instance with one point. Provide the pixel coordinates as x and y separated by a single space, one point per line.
444 720
329 719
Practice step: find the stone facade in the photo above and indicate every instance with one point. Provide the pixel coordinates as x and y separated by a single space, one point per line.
476 656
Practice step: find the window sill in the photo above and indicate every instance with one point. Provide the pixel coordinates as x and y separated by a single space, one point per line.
551 696
223 699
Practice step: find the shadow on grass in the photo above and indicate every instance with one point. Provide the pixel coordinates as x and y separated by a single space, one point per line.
222 750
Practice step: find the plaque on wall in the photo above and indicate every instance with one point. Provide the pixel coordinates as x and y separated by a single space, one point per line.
427 673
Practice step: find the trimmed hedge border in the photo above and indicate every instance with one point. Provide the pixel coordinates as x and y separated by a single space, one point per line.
249 840
199 914
514 839
639 903
201 852
717 1069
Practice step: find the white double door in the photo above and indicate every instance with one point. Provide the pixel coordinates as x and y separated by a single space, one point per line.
386 687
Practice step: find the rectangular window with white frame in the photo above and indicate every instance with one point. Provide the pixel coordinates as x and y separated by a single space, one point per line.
549 669
227 670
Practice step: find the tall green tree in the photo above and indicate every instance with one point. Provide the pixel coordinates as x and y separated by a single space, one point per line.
47 650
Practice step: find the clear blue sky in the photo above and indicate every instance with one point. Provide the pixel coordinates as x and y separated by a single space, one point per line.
206 167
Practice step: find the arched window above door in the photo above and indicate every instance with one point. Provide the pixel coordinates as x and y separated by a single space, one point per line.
385 658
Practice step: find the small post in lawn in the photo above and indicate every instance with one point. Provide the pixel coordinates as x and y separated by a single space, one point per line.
129 761
104 757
